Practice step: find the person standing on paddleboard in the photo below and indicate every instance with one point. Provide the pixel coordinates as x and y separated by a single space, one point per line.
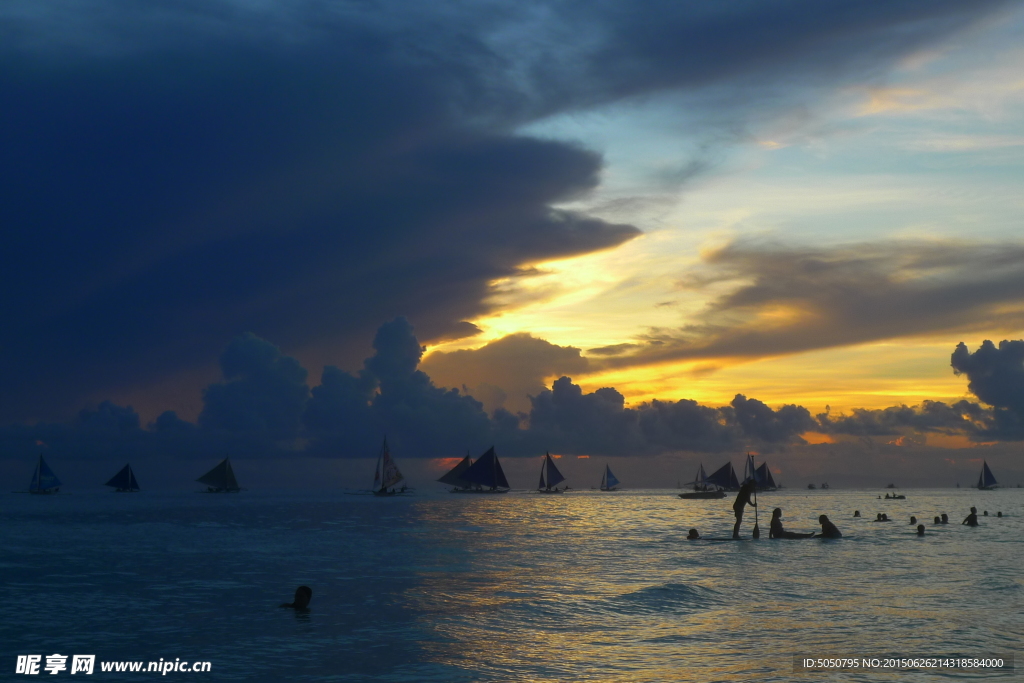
742 499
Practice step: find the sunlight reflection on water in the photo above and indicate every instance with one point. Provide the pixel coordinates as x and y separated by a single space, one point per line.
582 586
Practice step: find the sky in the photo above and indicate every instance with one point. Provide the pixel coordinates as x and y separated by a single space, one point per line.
661 235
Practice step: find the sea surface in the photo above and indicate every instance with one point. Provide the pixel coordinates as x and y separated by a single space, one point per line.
584 586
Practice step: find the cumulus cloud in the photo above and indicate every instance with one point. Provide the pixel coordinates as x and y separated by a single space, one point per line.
996 376
176 173
505 372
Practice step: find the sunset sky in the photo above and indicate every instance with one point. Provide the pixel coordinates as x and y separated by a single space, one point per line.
253 214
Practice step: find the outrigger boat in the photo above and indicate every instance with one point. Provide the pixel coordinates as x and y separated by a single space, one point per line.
124 481
221 479
550 476
44 481
485 474
386 474
608 480
986 480
454 476
703 487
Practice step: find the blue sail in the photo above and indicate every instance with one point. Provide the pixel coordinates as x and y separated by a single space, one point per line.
610 480
124 480
550 473
486 471
43 479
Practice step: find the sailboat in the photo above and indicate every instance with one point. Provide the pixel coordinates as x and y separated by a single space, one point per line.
549 476
44 481
761 475
609 482
221 479
703 488
386 474
124 481
724 478
986 480
486 474
454 476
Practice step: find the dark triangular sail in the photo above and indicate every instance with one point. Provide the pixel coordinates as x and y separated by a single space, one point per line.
221 477
124 480
43 478
763 477
549 474
986 479
610 480
454 476
486 471
390 474
724 476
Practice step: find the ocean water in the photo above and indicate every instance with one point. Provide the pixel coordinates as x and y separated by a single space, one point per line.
585 586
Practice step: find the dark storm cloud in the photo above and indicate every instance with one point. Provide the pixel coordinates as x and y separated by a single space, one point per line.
784 300
174 173
996 376
962 417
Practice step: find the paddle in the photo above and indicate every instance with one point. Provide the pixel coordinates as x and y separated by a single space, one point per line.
757 530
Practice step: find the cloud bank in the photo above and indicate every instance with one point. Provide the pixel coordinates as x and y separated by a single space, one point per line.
264 408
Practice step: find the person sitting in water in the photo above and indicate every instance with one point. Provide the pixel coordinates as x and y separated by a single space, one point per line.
693 535
878 517
945 518
885 518
775 530
986 513
971 519
742 498
913 519
856 513
920 529
303 594
937 521
828 529
999 514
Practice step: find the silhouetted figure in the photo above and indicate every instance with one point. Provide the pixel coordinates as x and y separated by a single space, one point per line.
775 530
742 498
828 529
999 514
878 517
693 535
913 519
303 594
856 513
885 518
971 519
986 513
937 521
920 529
945 518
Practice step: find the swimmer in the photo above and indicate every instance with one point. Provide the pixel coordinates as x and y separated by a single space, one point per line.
885 518
920 529
828 529
945 518
303 594
937 521
693 535
776 530
971 519
986 513
999 514
878 517
913 519
856 513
